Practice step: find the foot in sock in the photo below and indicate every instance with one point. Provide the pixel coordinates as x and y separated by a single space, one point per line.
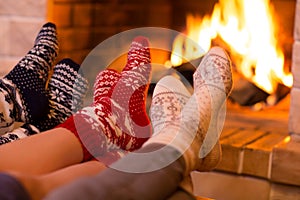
168 100
118 114
212 85
67 89
198 141
128 99
85 120
24 85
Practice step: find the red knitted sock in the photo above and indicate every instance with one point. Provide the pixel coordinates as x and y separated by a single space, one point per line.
105 80
83 122
127 104
138 71
117 118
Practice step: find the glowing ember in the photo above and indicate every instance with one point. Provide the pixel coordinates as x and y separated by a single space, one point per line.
248 28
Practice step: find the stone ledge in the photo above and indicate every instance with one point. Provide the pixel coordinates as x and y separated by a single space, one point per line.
261 151
257 144
218 185
233 148
286 163
294 125
271 156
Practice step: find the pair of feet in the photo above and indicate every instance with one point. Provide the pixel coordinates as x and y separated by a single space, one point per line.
28 95
192 123
120 99
118 121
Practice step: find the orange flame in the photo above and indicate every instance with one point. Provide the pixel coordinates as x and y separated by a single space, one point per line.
248 28
287 139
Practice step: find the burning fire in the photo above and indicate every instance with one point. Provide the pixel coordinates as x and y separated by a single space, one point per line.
248 29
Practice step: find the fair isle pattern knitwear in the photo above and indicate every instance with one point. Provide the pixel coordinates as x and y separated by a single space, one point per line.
168 99
105 80
24 131
106 126
127 105
67 89
86 128
212 84
7 108
25 83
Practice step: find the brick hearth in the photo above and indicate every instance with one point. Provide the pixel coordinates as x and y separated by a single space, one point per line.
294 125
258 161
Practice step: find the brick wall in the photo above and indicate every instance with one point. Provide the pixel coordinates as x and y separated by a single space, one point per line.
294 118
20 22
83 24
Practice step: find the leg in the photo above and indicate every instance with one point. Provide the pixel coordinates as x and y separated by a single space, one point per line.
129 185
41 153
134 174
117 119
26 82
51 149
38 186
175 149
66 88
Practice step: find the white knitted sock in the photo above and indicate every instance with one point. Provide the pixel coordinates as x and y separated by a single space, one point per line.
195 134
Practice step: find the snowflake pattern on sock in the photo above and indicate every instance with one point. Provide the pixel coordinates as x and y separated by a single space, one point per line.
7 108
169 97
67 89
106 125
127 106
27 80
24 131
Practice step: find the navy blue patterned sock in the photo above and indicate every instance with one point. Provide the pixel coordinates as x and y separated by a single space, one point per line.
21 132
7 108
66 91
12 189
67 88
25 83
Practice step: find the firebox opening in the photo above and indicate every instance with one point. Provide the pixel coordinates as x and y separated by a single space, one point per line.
259 46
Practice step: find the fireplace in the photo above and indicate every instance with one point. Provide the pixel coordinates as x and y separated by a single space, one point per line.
248 135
